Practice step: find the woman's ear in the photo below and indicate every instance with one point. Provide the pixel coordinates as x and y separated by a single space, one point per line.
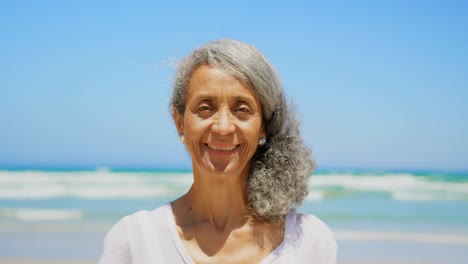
262 132
178 120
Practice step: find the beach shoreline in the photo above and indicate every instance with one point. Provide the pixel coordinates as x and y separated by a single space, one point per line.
353 248
67 261
45 261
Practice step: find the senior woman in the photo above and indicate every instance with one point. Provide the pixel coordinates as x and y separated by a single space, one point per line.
250 169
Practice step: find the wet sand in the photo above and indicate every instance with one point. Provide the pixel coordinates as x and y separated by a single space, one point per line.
353 248
45 261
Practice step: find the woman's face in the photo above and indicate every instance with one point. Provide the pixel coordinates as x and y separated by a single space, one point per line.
222 122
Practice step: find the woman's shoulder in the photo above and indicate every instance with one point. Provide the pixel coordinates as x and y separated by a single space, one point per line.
141 221
309 227
311 224
158 216
310 236
143 229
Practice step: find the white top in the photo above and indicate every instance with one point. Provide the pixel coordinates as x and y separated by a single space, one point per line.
151 237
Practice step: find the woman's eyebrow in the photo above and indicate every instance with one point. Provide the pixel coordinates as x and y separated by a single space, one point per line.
208 96
201 97
246 99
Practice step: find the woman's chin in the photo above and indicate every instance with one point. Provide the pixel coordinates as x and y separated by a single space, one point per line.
224 168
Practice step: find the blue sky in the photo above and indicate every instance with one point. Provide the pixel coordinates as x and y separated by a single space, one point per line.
379 84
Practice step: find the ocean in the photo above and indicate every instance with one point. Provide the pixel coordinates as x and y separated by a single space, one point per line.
396 208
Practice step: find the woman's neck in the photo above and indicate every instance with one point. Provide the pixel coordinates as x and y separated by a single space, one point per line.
216 200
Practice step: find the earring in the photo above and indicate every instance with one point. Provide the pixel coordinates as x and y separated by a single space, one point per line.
182 138
261 141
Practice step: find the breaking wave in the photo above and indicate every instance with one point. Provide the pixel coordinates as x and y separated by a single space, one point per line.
107 184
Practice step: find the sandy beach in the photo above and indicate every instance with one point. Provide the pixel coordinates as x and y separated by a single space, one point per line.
71 248
35 261
44 261
363 247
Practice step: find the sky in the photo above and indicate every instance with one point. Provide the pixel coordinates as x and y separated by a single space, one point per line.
378 84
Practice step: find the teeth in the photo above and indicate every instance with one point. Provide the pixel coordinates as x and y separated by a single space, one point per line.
221 148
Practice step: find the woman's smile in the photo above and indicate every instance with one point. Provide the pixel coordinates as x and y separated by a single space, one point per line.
222 148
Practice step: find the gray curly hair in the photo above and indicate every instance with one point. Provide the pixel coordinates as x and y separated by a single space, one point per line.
279 169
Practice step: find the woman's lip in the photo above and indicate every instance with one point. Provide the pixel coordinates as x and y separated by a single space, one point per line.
222 147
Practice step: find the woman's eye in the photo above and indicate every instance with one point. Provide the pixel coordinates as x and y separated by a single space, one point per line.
203 108
243 110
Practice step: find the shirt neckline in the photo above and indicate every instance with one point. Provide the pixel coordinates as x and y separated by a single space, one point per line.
290 222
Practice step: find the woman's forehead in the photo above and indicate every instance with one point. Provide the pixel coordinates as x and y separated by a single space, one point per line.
207 81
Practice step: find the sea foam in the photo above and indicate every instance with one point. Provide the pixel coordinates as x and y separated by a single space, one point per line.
398 186
91 185
437 238
106 184
29 214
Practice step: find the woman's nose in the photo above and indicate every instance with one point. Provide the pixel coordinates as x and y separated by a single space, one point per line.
224 123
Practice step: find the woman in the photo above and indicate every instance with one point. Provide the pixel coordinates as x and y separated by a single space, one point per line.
250 168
